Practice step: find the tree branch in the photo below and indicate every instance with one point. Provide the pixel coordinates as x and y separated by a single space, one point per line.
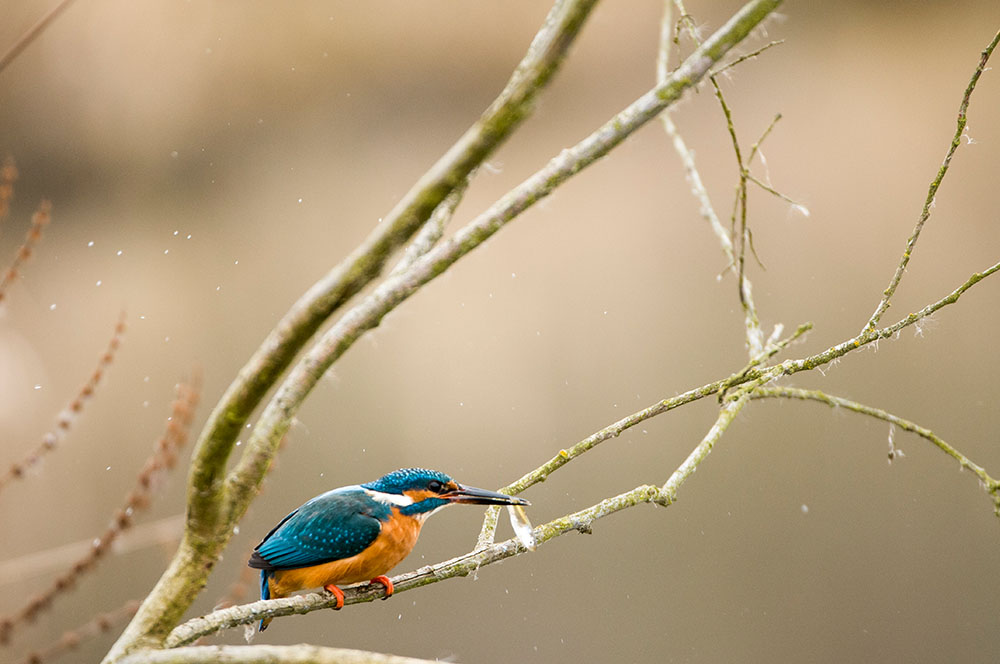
264 654
277 416
988 484
32 34
932 190
205 536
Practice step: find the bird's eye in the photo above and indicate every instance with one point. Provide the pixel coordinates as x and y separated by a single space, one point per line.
435 486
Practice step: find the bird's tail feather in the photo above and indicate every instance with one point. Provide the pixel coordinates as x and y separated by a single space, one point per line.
265 593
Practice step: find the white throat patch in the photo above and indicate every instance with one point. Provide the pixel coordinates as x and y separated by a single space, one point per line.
397 499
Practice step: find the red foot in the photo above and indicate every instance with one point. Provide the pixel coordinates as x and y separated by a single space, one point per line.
338 593
384 580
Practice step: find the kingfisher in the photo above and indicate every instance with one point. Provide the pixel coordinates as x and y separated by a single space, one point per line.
357 533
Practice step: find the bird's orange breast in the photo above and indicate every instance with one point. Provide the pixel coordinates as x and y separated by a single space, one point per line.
393 543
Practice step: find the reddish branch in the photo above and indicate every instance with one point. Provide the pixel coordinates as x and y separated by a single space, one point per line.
164 458
51 440
38 222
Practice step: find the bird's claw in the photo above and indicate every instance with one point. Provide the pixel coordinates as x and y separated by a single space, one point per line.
338 593
386 583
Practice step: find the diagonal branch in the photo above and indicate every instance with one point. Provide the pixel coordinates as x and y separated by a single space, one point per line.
484 554
32 34
51 440
469 563
925 213
205 536
277 416
366 262
989 485
265 654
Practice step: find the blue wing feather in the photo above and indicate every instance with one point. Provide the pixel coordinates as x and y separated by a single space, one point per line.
335 525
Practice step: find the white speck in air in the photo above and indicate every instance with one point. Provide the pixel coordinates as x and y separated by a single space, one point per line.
90 244
99 282
145 404
145 379
174 154
805 509
166 340
166 251
238 443
118 253
52 307
108 468
300 200
176 233
236 530
188 237
38 387
236 262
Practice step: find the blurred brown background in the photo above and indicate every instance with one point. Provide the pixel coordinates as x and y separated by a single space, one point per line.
233 152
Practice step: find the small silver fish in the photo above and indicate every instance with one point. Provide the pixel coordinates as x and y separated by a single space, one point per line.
522 527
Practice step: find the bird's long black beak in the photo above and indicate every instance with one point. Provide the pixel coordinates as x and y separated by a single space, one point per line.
474 496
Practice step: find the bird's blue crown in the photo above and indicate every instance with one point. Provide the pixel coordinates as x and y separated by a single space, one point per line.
405 479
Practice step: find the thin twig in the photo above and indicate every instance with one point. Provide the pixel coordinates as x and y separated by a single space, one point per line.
32 33
988 484
755 148
925 213
774 192
751 321
99 625
8 176
163 458
51 440
39 220
433 228
744 58
727 414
